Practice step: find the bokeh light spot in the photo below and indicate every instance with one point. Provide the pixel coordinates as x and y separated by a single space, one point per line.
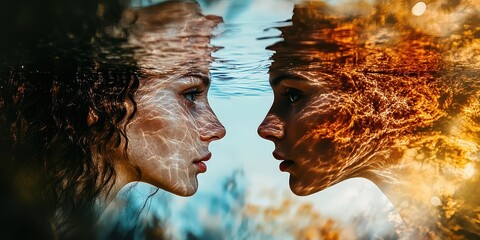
435 201
468 171
419 8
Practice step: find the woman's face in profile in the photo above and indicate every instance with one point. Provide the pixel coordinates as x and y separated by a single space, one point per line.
334 107
332 124
304 123
174 124
170 134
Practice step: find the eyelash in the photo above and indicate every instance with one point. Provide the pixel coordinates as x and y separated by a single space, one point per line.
191 95
292 95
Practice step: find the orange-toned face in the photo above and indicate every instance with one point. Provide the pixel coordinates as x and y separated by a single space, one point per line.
344 93
329 126
301 123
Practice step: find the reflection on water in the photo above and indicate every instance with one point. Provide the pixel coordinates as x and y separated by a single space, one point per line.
242 63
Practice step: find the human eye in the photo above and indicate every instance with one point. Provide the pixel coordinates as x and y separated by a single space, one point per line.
192 94
292 95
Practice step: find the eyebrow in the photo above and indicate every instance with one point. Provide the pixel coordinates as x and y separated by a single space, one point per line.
282 77
205 78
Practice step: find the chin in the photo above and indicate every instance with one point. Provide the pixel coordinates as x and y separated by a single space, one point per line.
186 190
300 189
186 193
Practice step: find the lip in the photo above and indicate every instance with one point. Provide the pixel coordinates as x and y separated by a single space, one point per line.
201 166
278 156
204 159
285 164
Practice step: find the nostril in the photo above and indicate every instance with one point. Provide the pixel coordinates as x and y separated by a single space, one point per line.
213 135
211 139
269 133
272 128
261 132
270 138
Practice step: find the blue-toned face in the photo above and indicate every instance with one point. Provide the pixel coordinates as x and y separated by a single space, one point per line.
174 124
171 131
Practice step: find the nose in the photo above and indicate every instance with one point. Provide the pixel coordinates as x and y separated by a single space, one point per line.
271 128
212 129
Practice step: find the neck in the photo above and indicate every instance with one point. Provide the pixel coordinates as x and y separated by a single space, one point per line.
123 175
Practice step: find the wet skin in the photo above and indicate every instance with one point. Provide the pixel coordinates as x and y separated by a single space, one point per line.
169 139
174 124
338 100
358 96
302 123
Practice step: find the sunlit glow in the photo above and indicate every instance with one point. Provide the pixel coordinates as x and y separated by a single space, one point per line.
468 171
387 93
419 9
435 201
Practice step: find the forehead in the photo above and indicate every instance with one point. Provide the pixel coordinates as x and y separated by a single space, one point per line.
300 75
152 85
173 38
173 20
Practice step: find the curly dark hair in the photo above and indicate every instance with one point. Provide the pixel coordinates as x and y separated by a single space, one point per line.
61 62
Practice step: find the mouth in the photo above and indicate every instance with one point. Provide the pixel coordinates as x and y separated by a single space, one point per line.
285 164
201 166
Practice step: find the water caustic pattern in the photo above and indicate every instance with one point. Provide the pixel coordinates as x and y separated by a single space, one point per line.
386 92
169 139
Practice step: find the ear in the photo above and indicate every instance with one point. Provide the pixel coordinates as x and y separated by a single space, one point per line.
92 117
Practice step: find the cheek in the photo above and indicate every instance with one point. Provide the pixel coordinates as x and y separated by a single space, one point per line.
324 119
316 173
203 117
325 147
159 130
309 183
312 129
163 149
316 137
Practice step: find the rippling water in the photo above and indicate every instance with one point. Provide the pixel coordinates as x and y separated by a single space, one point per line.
241 67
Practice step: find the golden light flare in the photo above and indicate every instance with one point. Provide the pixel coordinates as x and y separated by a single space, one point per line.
469 171
294 219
